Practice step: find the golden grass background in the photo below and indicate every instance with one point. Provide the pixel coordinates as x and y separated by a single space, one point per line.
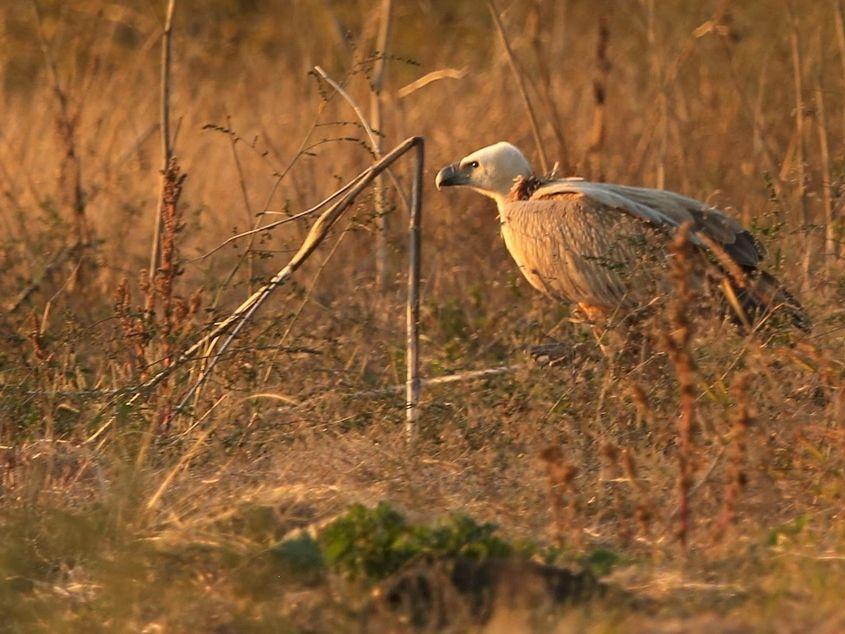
297 423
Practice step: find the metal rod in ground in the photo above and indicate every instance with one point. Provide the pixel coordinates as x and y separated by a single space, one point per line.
412 387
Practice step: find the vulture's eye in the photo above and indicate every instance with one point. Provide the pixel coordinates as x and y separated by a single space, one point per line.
474 164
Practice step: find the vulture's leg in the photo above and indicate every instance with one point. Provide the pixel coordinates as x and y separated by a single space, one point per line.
620 337
559 353
607 338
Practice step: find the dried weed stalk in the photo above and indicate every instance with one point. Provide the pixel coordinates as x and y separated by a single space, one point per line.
70 172
520 82
800 144
678 346
600 84
132 325
376 123
737 451
36 338
645 414
542 13
643 513
561 479
173 310
166 140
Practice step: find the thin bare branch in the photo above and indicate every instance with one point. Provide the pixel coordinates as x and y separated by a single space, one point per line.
520 81
283 221
374 144
376 99
800 151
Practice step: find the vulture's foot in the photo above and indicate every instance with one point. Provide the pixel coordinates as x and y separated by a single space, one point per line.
556 353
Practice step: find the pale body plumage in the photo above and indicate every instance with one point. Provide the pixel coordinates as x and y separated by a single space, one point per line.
572 252
603 246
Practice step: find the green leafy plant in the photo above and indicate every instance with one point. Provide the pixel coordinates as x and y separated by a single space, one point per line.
374 543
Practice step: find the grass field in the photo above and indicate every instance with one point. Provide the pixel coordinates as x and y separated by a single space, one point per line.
284 496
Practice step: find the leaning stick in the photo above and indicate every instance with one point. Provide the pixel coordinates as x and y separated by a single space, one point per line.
316 235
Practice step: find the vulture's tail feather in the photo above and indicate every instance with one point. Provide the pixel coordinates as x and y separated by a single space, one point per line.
765 302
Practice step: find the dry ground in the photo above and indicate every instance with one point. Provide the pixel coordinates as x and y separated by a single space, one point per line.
120 517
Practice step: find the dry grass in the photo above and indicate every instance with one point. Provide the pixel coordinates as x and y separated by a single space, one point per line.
300 418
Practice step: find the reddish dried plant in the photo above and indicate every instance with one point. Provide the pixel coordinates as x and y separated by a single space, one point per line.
678 346
643 512
36 338
133 326
612 476
737 451
640 399
562 493
173 310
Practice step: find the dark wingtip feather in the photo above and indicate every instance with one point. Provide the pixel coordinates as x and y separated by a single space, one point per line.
746 250
767 300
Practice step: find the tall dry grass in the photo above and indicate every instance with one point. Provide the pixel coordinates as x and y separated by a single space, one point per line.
733 103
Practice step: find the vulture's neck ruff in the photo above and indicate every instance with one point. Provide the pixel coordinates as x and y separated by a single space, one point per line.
524 187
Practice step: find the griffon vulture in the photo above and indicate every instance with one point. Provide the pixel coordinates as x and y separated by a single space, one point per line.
603 247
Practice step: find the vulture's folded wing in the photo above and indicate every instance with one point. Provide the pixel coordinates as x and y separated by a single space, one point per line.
667 209
577 249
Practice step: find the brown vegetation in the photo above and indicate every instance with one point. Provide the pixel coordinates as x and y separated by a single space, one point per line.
720 505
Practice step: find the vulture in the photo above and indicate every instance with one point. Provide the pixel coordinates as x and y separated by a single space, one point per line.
605 248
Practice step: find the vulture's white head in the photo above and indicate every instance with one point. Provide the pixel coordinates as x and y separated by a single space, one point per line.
490 171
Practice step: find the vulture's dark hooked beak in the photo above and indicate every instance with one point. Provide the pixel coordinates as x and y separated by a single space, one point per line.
451 175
